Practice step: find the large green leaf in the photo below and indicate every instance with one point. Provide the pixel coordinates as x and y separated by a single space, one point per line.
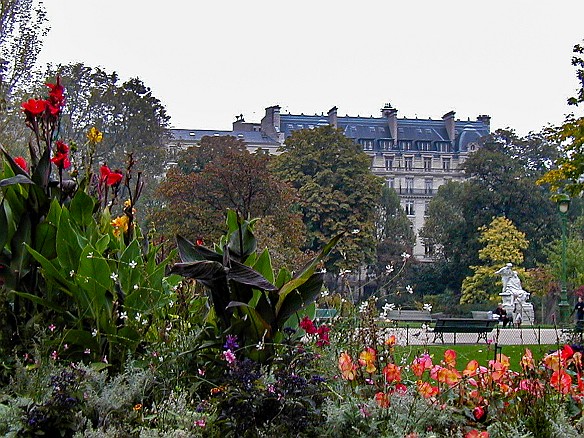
300 298
263 265
53 273
130 266
22 236
38 300
81 208
243 274
17 179
258 327
68 247
306 273
94 279
3 226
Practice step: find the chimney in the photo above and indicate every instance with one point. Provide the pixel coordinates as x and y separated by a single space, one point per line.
486 120
449 124
332 117
390 114
271 122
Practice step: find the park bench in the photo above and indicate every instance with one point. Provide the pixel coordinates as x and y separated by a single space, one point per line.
481 327
409 315
325 314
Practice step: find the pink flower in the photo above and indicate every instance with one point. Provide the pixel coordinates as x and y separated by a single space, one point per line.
229 356
201 423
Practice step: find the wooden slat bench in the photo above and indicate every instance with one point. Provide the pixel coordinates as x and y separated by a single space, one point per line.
409 315
481 327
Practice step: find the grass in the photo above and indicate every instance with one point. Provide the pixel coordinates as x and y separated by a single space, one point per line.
482 353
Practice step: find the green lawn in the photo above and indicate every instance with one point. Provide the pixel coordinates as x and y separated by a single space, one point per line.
482 353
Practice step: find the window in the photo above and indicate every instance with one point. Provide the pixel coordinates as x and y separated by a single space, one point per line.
428 186
426 208
443 146
391 183
409 185
409 163
410 207
366 143
384 145
389 163
446 164
428 249
427 164
405 145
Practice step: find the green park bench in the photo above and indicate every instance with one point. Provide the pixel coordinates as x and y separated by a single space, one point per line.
481 327
325 314
409 315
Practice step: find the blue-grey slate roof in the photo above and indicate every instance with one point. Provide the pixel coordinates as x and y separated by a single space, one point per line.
249 137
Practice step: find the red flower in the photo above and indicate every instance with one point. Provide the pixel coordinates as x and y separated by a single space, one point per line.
61 158
323 336
56 96
307 325
34 107
200 242
382 399
108 177
478 413
21 162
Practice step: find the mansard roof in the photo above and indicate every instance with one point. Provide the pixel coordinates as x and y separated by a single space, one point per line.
249 137
377 128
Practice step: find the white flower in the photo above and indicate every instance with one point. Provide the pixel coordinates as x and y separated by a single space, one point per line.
133 264
114 276
71 273
409 289
355 231
388 307
344 272
138 316
323 271
388 269
324 293
427 307
363 307
136 287
405 255
89 255
94 333
123 315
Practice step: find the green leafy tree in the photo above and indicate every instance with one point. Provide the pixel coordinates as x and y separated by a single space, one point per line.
338 192
23 26
503 243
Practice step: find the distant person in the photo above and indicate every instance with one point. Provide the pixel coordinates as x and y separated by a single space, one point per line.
579 309
502 315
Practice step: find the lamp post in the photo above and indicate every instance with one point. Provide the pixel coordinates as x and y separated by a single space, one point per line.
564 307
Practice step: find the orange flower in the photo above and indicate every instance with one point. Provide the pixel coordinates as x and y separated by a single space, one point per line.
471 368
391 341
527 360
367 359
392 373
137 407
426 390
450 358
347 367
420 364
382 399
120 224
561 380
552 361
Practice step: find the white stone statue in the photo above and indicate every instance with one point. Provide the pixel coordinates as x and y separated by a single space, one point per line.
513 295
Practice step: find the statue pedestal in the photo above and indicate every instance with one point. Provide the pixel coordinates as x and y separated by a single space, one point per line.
526 309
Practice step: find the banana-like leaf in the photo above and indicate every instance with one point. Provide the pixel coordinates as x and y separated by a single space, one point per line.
17 179
306 273
300 298
189 252
259 329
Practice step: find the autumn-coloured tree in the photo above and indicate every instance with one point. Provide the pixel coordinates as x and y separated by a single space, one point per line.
503 243
220 174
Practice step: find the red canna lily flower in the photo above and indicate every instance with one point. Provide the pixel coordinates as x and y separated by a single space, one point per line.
34 107
382 399
478 412
108 177
21 162
56 96
307 325
61 158
561 380
392 373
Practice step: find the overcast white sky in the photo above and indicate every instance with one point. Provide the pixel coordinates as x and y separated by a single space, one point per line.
208 61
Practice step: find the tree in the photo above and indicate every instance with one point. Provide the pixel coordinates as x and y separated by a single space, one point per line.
503 243
130 116
23 26
220 174
338 192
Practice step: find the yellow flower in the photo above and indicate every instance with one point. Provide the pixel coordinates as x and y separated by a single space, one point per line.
137 407
94 136
120 224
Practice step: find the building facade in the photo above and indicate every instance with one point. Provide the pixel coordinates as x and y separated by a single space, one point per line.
414 156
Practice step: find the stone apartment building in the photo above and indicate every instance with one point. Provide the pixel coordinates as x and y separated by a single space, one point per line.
414 156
